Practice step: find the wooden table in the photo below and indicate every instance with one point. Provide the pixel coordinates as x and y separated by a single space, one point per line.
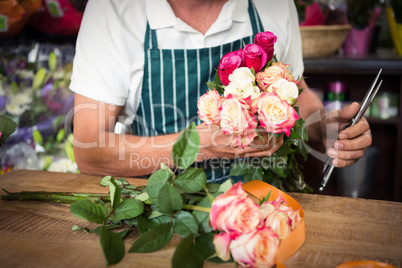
38 234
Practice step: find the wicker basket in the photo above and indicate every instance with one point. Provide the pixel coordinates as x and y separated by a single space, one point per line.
323 40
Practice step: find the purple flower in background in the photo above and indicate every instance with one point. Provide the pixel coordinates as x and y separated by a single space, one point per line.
3 101
46 90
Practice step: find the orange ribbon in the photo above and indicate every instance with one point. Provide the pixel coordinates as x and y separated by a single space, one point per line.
295 240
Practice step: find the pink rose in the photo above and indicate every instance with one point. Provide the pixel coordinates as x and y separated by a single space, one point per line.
254 57
234 211
278 220
239 140
228 64
209 106
281 218
287 73
256 249
237 119
221 243
266 40
274 114
269 76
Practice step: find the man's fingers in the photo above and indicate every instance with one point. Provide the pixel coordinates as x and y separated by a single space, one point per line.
349 112
357 143
356 130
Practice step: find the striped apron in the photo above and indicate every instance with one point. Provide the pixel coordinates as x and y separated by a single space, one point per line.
174 80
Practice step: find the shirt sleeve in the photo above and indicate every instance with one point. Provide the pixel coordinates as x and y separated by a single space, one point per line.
294 49
281 18
100 71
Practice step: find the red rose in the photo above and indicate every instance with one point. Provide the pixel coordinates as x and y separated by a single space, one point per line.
228 64
266 40
254 57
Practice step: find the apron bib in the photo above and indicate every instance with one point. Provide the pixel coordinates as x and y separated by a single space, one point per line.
174 80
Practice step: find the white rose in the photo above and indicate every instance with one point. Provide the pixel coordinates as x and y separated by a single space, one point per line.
253 92
287 91
242 84
232 89
242 77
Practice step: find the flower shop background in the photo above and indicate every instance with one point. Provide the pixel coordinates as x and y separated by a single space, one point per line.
36 54
37 40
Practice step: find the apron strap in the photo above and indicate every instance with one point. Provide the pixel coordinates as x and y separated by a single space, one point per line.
255 20
150 41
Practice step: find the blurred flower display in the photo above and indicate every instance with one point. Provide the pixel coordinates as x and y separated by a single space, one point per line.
34 93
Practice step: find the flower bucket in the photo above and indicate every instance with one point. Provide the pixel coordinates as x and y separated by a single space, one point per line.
359 40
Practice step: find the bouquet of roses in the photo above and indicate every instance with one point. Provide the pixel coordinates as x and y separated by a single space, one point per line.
251 92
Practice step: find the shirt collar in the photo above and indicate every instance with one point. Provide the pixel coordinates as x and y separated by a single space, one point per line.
160 15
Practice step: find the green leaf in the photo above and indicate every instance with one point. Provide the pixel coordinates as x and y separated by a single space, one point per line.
169 199
186 147
204 245
191 180
301 129
105 181
225 186
115 196
96 230
203 217
77 228
39 78
192 252
302 148
213 187
112 246
186 255
239 168
211 85
254 173
128 209
165 167
144 224
52 61
155 182
88 210
7 127
154 239
142 197
281 169
266 198
284 149
123 234
184 224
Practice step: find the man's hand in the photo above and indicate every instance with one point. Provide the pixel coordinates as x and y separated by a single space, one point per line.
352 141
